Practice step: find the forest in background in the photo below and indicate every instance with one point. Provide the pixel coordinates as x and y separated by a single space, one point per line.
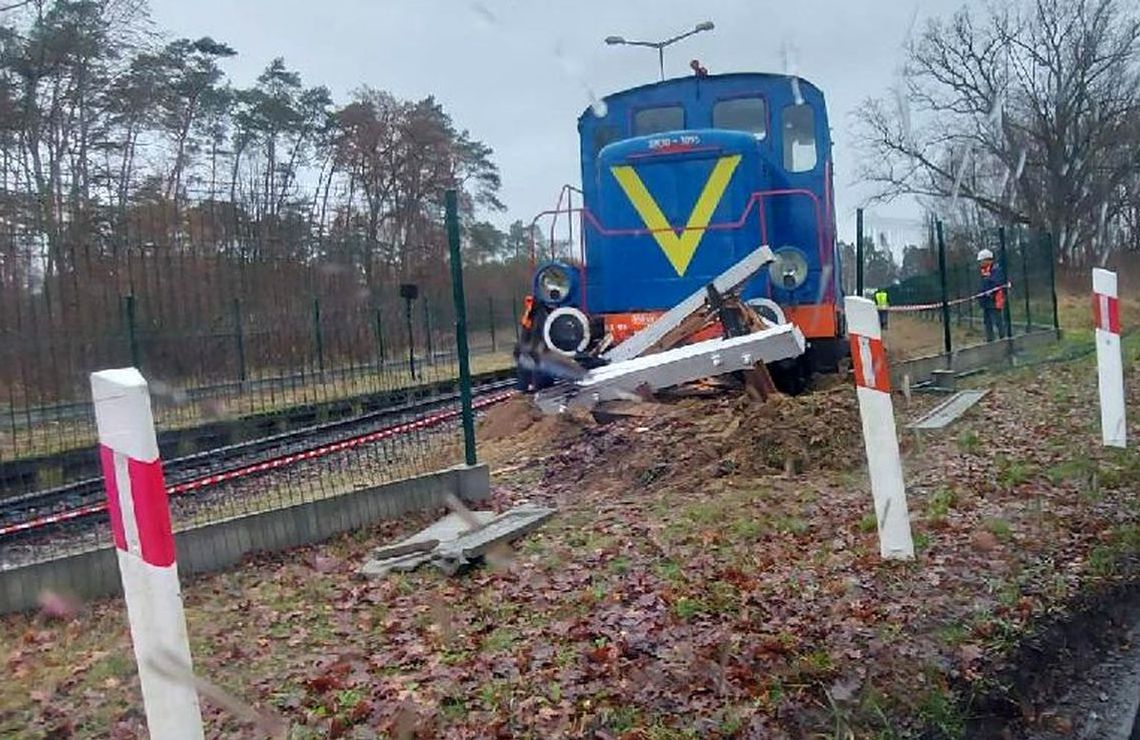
132 168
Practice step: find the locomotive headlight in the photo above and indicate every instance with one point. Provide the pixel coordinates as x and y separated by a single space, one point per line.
554 283
790 270
567 331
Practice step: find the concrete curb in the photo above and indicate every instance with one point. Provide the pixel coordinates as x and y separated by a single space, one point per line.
219 545
991 354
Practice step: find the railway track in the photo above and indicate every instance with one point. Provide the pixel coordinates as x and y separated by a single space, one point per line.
82 500
24 475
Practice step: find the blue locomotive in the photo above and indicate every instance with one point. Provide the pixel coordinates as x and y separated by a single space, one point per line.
680 180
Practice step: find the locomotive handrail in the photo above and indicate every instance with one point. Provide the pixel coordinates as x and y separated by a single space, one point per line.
567 188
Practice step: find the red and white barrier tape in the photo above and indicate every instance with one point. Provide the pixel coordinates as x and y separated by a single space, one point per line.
280 462
954 302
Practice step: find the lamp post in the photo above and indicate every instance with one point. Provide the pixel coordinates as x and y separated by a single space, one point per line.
410 292
660 45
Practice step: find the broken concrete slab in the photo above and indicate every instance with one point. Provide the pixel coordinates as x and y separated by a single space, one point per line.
400 563
452 541
628 379
420 547
950 410
507 527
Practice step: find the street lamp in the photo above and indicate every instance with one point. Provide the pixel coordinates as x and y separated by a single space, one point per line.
660 45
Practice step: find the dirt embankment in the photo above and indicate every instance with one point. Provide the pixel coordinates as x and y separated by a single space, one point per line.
683 441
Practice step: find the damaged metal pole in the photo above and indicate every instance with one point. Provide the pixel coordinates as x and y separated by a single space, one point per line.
630 378
451 205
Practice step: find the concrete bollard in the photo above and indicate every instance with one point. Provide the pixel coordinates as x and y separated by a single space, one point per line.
144 540
1110 367
880 438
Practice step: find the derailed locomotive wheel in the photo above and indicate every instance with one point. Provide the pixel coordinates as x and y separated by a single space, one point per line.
769 310
567 331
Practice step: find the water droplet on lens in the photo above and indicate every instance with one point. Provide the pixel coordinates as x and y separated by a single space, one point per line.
486 17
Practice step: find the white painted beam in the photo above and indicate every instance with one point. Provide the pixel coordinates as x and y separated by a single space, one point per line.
726 282
674 367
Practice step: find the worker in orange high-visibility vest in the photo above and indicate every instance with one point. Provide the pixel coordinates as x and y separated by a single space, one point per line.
992 298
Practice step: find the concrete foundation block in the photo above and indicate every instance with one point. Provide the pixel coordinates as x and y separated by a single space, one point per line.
225 543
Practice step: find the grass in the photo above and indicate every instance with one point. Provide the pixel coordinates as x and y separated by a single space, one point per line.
999 528
941 713
670 571
1118 555
940 504
1080 470
687 608
969 442
785 524
1013 473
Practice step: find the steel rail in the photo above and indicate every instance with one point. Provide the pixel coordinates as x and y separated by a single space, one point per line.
241 470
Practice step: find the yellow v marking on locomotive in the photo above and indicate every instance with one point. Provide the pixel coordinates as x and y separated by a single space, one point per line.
678 247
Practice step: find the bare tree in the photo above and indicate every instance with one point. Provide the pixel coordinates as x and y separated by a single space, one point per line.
1028 112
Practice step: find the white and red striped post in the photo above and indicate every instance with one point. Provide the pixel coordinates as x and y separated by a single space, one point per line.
140 526
873 385
1110 367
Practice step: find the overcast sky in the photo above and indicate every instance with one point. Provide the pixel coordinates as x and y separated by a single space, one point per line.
517 73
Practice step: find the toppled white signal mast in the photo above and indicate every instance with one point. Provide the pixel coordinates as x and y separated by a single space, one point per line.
729 281
648 361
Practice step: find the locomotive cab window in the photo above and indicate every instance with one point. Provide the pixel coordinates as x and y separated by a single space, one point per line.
656 120
742 114
799 138
605 134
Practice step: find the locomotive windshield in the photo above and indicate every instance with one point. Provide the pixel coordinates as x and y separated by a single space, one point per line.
742 114
605 134
657 120
799 138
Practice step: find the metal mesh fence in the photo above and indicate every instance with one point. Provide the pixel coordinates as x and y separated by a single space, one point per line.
931 273
276 379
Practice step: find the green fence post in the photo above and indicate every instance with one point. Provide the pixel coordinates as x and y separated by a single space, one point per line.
1007 313
317 335
427 332
859 252
946 343
452 215
1025 282
491 317
411 338
380 336
239 336
1052 257
132 332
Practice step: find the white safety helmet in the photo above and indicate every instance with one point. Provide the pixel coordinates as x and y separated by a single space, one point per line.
984 255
